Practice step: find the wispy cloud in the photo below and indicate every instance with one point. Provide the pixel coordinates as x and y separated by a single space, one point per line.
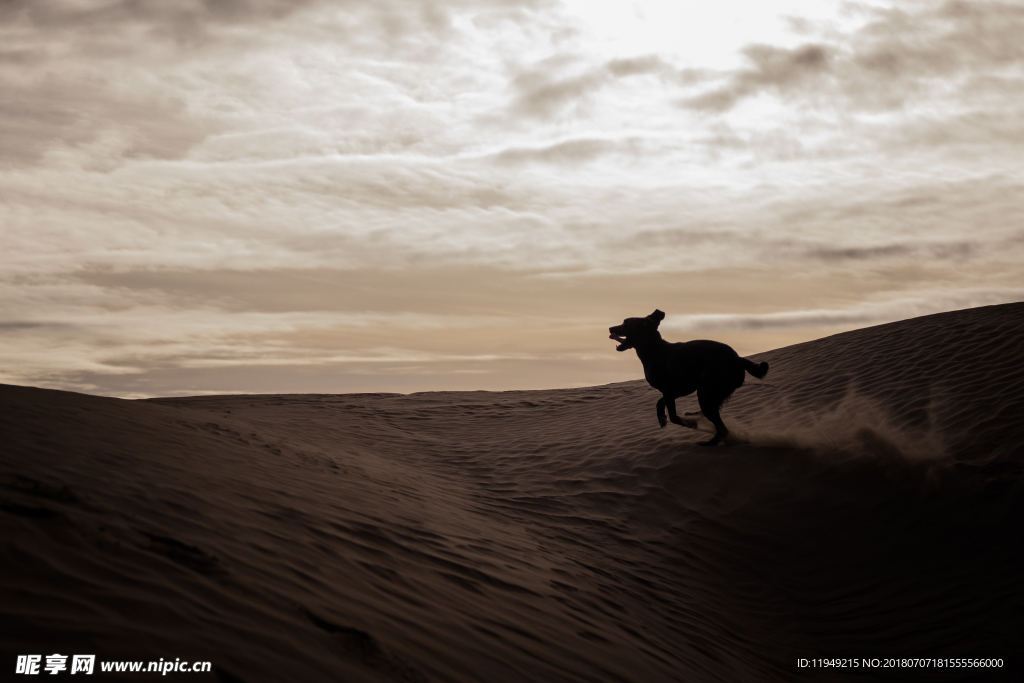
910 53
773 69
553 85
569 151
866 313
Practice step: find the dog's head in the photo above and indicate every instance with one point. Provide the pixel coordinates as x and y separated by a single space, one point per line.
635 331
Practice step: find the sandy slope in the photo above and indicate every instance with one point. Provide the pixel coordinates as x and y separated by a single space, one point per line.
870 505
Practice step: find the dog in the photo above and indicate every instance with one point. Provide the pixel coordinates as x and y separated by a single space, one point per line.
710 368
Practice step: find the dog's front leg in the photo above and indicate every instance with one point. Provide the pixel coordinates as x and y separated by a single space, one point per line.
661 412
671 404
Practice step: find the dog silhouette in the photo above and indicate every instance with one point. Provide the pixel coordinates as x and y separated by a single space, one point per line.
710 368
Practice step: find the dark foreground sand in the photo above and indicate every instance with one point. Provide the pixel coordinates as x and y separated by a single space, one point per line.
871 506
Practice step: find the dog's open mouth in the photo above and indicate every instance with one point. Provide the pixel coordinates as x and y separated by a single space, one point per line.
622 342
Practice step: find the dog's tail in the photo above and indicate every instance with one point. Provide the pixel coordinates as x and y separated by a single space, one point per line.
755 369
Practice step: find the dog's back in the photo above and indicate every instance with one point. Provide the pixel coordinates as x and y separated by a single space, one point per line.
700 363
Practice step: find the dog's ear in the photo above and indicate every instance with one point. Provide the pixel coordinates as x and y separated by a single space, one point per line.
657 317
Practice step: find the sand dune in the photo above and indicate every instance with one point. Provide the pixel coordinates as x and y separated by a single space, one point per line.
869 505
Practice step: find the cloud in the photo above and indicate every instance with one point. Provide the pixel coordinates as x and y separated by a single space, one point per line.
903 54
900 307
160 78
774 69
94 24
54 113
544 91
568 152
102 71
15 326
181 21
932 252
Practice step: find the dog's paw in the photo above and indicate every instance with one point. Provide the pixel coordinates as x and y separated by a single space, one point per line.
692 424
662 421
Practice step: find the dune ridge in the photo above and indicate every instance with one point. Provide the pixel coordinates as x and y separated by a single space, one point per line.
868 505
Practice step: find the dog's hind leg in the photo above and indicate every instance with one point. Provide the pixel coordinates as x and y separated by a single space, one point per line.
671 403
710 402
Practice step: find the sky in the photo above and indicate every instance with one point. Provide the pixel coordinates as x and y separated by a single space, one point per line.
270 196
